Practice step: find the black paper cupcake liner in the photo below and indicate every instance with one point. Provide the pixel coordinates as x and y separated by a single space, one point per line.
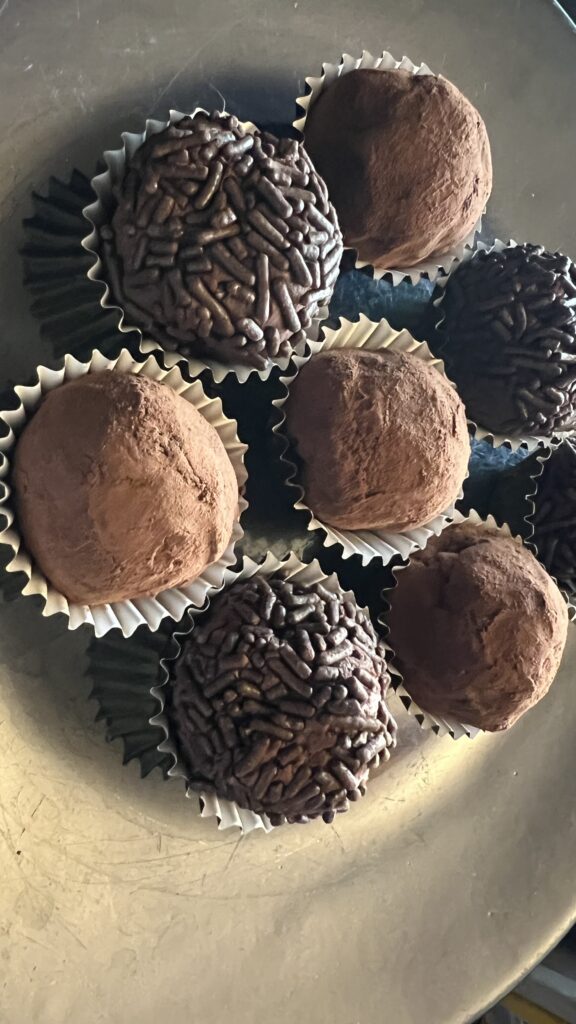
65 302
536 470
122 673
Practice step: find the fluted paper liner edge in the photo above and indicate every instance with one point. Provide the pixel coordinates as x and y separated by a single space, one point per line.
125 615
368 544
529 442
227 812
96 215
431 268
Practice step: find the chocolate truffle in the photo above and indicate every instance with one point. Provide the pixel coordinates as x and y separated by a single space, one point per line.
407 162
382 436
477 626
554 517
223 243
123 489
510 339
277 700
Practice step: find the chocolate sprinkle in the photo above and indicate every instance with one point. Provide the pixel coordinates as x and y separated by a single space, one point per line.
554 517
511 339
275 708
202 252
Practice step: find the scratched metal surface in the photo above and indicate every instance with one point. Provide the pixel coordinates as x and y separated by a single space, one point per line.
455 874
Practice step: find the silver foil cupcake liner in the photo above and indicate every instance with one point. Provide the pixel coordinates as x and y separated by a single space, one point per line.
97 213
432 268
439 724
124 615
368 544
129 681
529 442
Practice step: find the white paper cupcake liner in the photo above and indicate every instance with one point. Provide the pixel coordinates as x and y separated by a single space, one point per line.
368 544
98 215
529 442
228 813
386 62
123 615
439 724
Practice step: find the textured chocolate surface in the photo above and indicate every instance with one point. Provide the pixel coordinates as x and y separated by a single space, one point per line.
123 489
223 243
477 626
277 700
555 515
406 159
382 436
511 339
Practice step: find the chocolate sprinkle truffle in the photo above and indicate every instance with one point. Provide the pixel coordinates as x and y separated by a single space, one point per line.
382 437
223 243
477 626
122 488
510 348
407 162
277 700
554 517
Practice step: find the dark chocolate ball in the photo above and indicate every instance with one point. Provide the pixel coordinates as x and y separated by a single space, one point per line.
223 243
277 700
554 517
510 339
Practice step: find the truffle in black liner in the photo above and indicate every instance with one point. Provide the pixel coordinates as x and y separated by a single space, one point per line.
554 517
277 700
510 324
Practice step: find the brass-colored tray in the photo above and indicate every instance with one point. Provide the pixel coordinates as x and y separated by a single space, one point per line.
454 875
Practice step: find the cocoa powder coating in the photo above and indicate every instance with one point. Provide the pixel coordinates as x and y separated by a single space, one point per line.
123 489
407 162
477 626
382 436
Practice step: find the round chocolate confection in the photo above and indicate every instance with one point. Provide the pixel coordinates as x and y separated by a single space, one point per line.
510 324
122 488
477 626
382 436
554 517
407 162
277 700
223 243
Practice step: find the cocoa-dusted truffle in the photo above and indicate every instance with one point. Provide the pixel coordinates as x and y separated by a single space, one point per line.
123 489
223 243
510 329
382 436
477 626
555 515
277 700
407 162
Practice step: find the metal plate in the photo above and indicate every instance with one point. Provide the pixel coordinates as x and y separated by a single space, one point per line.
455 874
